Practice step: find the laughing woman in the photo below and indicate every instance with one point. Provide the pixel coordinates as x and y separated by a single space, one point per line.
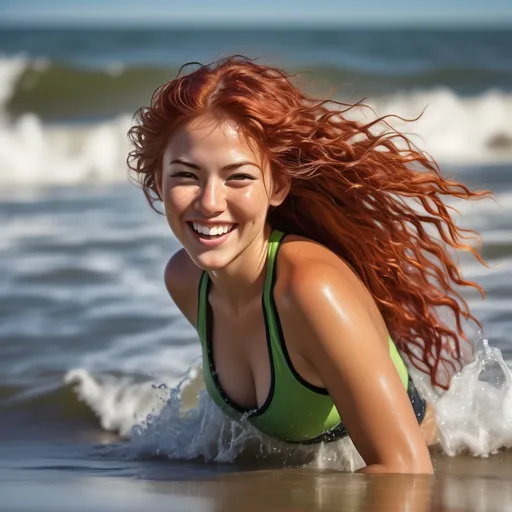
306 267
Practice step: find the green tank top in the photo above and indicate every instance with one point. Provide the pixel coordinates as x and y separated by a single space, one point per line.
295 410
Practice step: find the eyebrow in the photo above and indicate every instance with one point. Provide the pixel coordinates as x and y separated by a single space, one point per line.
229 167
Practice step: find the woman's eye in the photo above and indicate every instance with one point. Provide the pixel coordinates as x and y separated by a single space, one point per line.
184 174
241 176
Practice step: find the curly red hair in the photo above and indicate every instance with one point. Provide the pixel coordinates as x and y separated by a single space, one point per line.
353 190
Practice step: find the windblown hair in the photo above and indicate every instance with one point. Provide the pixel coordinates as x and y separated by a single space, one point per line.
361 189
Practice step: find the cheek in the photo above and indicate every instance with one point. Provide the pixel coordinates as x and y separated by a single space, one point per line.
252 203
176 201
179 198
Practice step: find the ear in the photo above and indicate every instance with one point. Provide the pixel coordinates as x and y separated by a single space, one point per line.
281 188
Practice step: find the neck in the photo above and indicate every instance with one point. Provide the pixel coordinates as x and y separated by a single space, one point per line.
243 280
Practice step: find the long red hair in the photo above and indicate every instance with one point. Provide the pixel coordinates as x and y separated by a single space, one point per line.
365 193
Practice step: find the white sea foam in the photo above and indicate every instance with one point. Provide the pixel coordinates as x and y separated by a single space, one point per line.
119 403
34 153
475 414
455 129
10 70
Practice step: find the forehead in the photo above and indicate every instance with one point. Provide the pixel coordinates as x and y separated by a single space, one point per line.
215 137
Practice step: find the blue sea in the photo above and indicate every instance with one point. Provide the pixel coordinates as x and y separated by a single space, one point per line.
101 401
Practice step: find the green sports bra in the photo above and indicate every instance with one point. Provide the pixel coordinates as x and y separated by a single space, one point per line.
295 410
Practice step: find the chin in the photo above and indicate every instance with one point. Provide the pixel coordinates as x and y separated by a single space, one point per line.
210 262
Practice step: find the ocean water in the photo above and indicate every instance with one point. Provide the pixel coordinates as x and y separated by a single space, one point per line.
97 366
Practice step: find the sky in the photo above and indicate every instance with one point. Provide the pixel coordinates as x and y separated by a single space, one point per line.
257 12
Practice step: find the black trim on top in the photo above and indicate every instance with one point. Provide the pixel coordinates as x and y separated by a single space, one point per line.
271 391
298 377
419 405
199 300
209 348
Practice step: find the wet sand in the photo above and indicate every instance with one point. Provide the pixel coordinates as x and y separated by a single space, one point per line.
64 479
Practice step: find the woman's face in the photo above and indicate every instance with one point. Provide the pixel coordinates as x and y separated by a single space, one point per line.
216 191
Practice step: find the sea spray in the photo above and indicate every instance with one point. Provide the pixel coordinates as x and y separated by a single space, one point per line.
475 414
119 403
205 433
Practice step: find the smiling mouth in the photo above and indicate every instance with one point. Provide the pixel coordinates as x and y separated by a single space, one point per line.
211 233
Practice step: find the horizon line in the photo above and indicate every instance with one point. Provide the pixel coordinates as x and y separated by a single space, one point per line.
277 24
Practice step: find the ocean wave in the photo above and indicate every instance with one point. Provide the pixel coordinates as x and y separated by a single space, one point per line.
454 129
56 91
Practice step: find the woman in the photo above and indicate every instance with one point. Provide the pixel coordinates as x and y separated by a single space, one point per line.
305 264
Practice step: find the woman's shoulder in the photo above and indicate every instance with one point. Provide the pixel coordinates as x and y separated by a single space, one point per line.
309 273
315 284
182 277
302 260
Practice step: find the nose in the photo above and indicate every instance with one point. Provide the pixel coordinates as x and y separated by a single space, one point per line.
212 200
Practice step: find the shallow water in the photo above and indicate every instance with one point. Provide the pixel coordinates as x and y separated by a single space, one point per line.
85 477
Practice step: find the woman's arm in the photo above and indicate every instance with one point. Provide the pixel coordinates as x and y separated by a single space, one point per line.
181 278
325 311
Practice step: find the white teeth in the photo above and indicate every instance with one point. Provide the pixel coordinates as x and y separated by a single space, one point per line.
215 230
